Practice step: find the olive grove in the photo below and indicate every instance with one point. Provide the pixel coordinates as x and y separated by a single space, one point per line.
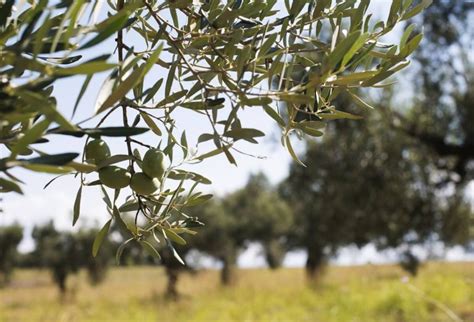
171 59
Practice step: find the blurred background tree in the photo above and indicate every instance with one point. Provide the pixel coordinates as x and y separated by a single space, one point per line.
10 237
366 184
441 113
266 218
96 267
56 251
369 184
65 253
174 268
223 238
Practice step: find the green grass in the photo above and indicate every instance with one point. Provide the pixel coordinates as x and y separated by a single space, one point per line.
366 293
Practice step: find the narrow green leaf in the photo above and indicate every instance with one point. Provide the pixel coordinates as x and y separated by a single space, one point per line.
175 253
242 133
52 159
417 9
151 124
205 137
81 93
341 49
130 82
172 98
120 250
99 238
359 101
7 186
114 159
274 115
198 200
411 45
48 168
129 206
149 249
116 131
292 152
173 236
82 167
77 206
85 69
107 28
32 135
335 114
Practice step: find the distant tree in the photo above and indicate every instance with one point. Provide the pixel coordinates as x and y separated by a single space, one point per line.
223 236
443 79
158 251
410 262
444 82
65 253
57 251
174 268
97 266
363 184
266 218
254 213
10 237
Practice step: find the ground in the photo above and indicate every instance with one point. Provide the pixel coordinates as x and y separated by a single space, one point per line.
442 292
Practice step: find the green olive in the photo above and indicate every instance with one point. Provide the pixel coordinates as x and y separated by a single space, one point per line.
114 177
143 184
154 163
97 151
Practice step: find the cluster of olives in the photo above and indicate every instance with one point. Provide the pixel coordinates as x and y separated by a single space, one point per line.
143 183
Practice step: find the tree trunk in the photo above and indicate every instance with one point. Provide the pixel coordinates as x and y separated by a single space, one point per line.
172 287
315 263
274 253
60 277
228 270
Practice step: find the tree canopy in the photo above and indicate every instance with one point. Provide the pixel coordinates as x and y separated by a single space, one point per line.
444 81
369 184
207 59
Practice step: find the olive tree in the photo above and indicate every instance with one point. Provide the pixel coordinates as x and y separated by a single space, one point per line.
10 237
223 237
96 267
64 253
265 217
445 58
371 184
254 213
192 59
58 252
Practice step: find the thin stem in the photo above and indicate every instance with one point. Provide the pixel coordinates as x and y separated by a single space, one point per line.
120 48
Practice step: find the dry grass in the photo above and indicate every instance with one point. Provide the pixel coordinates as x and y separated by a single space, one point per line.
366 293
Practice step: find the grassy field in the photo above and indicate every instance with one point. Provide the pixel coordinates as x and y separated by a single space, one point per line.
366 293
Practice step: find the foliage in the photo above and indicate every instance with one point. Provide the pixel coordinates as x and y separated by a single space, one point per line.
58 252
445 82
97 266
10 237
64 253
223 237
365 184
219 58
265 217
253 213
446 58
